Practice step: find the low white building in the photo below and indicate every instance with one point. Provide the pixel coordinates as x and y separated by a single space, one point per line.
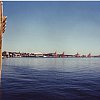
38 54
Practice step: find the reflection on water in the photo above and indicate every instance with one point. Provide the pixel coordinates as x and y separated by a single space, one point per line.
51 79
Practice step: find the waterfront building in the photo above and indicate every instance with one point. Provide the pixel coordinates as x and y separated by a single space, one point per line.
89 55
17 54
38 54
77 55
5 54
55 55
63 55
31 55
83 56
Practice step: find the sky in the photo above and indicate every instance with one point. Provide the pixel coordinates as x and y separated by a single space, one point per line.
67 26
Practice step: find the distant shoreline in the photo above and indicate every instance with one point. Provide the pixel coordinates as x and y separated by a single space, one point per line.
6 54
48 57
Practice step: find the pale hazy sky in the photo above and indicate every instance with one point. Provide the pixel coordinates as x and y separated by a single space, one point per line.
52 26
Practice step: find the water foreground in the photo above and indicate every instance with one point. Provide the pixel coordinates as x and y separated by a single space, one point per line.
50 79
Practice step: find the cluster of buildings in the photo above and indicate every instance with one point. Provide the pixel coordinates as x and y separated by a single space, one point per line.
6 54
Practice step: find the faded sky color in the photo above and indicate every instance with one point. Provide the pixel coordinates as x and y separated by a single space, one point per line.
52 26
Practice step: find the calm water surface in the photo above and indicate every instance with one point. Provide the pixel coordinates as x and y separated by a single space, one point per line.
50 79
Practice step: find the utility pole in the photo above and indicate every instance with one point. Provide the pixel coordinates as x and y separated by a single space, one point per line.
1 35
2 30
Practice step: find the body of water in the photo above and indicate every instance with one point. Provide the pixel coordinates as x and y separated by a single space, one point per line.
50 79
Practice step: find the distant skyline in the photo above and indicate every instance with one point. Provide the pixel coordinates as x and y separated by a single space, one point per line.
52 26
